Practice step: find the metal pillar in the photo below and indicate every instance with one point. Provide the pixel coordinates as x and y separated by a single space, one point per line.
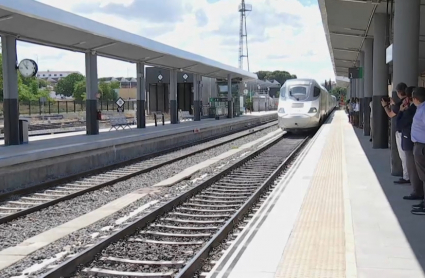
368 84
92 124
348 92
10 91
361 92
173 97
229 97
196 97
141 96
405 60
380 88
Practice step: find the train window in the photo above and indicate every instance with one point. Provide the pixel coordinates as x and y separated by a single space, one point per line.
316 92
298 91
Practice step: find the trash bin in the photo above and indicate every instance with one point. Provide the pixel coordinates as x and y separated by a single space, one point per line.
23 131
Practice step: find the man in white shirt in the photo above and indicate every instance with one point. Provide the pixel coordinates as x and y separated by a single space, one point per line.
356 112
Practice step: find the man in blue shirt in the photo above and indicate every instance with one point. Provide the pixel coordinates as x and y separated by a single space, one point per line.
418 138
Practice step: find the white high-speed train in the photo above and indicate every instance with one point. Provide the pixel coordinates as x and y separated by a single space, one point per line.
303 105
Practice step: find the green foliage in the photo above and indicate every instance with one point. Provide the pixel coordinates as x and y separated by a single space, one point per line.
28 89
279 76
107 90
338 92
79 91
66 85
42 83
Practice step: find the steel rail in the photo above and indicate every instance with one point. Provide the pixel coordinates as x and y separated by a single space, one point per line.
68 267
196 263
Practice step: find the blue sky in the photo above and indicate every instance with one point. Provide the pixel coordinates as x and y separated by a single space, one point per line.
282 34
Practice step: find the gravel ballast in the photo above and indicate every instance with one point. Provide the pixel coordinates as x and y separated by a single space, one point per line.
14 232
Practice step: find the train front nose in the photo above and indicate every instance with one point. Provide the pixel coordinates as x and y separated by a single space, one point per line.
298 121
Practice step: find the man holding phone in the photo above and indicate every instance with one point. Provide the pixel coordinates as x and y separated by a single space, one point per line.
392 109
418 138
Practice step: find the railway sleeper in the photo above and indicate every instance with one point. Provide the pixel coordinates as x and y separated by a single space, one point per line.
230 194
212 206
200 215
144 240
192 221
157 263
206 210
174 235
187 228
114 273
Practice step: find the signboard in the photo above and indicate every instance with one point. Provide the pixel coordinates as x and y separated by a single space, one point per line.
355 73
218 99
120 102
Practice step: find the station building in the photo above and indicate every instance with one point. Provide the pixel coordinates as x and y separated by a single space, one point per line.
386 40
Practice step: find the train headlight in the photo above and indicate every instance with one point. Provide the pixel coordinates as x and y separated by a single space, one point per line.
281 110
312 110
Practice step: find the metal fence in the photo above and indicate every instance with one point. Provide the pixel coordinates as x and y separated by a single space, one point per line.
57 107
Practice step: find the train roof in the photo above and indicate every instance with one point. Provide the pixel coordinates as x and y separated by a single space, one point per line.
304 81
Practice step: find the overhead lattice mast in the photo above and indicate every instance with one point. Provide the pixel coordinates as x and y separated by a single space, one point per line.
243 33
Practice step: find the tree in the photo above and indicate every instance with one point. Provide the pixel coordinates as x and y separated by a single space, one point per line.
66 85
339 92
79 91
107 90
279 76
42 83
28 87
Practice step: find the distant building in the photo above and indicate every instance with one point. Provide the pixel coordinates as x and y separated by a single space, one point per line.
125 82
263 87
54 76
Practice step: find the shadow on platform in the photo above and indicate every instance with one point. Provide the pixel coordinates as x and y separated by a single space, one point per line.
413 226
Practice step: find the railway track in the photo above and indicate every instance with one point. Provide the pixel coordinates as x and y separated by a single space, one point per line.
175 239
23 202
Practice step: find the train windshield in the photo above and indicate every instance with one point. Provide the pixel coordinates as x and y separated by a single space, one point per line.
296 92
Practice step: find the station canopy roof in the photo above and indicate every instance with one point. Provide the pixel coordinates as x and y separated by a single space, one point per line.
348 22
34 22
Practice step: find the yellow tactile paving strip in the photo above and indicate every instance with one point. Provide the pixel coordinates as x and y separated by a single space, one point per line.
317 245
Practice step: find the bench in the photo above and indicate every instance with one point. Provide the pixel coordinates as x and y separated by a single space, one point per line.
184 115
119 121
158 115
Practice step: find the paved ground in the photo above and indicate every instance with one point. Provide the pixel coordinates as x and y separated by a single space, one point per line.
338 214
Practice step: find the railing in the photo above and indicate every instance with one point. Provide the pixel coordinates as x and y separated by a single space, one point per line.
65 106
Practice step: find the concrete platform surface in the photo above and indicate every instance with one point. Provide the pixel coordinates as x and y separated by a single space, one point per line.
53 158
40 148
337 213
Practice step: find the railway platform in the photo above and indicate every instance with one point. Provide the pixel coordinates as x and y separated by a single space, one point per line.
58 155
335 213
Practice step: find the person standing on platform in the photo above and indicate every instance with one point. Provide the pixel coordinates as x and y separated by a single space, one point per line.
405 120
418 139
351 111
356 112
392 112
370 124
